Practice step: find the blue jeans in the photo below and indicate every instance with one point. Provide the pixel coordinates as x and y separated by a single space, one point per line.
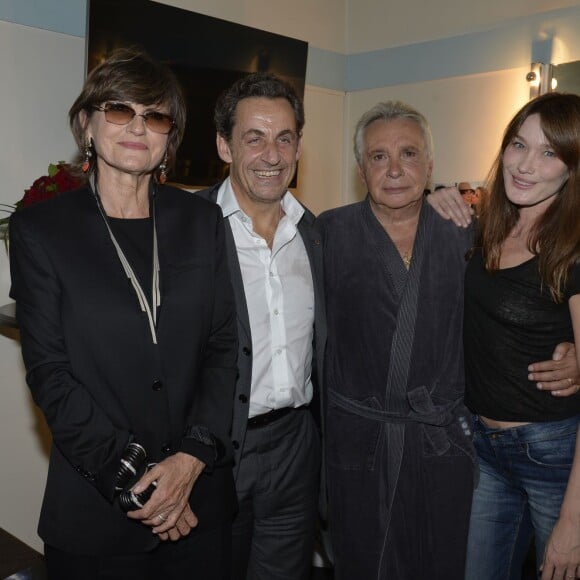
523 476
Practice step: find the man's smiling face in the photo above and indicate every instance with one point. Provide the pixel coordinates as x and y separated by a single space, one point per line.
263 150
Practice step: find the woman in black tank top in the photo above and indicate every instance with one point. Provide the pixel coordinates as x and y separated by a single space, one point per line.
522 296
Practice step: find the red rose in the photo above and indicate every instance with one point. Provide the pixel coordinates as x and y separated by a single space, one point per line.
58 180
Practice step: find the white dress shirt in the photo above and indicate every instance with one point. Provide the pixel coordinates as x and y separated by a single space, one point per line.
280 298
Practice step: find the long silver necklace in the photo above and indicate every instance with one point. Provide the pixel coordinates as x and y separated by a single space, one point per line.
151 312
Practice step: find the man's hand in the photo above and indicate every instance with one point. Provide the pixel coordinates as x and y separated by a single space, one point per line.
168 510
449 204
560 375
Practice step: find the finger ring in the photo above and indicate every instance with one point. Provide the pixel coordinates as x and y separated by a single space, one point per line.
162 518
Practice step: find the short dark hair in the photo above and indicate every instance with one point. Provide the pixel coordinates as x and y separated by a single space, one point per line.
255 85
130 74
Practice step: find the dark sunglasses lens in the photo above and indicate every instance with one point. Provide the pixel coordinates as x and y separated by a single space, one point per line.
119 114
158 122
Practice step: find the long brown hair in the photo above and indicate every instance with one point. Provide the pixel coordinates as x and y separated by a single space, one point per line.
555 237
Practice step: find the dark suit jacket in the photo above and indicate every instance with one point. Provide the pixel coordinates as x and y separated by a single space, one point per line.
97 376
312 242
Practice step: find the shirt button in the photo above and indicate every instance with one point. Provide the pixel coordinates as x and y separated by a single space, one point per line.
243 398
276 312
246 351
279 351
157 385
166 448
235 445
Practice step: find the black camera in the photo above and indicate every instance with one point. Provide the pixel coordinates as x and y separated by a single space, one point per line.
133 467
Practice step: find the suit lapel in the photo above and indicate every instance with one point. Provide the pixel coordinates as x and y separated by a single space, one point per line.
313 244
237 283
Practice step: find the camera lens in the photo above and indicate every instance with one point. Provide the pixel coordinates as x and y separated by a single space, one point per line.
132 465
130 500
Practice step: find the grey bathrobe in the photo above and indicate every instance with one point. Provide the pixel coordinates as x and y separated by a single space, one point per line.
400 463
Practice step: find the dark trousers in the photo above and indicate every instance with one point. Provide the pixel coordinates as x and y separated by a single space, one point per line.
205 555
277 486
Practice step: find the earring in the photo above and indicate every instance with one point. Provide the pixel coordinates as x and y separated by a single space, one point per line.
163 171
88 152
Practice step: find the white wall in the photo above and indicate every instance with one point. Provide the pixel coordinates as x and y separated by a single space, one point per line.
320 175
376 24
42 73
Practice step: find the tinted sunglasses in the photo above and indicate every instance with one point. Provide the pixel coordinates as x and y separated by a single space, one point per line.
120 114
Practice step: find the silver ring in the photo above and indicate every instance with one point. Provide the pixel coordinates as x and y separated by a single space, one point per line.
162 518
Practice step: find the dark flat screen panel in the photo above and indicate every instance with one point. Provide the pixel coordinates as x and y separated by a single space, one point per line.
207 55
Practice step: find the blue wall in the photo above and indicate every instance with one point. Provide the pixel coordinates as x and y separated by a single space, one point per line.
66 16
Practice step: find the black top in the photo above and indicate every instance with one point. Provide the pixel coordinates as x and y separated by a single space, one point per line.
510 322
135 236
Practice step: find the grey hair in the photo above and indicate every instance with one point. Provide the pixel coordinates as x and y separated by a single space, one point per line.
388 111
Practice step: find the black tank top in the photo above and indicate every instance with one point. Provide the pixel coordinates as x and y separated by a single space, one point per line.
510 322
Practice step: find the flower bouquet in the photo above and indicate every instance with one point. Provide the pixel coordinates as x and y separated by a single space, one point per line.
61 177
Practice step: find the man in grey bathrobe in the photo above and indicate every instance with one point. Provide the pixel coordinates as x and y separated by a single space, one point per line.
400 463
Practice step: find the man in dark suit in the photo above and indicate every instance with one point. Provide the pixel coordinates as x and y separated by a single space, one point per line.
274 256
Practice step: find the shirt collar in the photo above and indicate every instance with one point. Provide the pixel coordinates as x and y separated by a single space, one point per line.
226 199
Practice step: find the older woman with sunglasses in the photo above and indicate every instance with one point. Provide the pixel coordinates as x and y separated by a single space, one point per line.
128 337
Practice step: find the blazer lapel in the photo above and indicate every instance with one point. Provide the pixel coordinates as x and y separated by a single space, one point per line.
237 283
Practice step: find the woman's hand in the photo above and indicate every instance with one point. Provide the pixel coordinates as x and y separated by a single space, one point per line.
167 511
185 523
449 204
562 555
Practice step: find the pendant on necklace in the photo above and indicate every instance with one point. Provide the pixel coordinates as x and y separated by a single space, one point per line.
407 260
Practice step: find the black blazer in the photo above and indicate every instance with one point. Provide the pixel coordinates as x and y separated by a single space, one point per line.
97 376
312 242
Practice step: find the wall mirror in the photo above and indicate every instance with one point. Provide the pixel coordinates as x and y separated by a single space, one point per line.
566 77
